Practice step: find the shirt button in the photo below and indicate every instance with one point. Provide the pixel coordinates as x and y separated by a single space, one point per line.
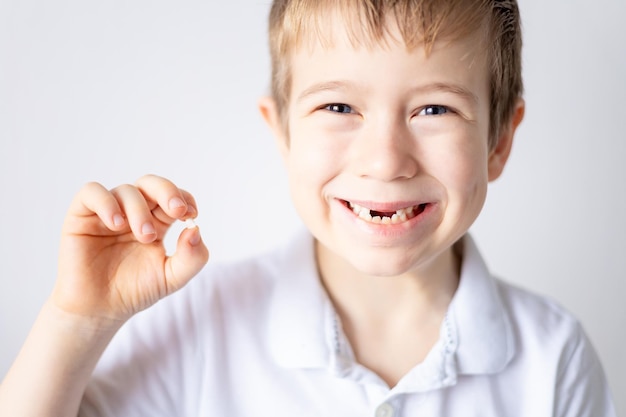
385 410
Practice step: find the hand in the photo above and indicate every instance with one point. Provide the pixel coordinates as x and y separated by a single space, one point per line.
112 261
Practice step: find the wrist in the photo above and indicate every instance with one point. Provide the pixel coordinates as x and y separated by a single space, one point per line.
86 327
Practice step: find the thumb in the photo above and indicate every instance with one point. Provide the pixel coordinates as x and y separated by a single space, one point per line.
190 256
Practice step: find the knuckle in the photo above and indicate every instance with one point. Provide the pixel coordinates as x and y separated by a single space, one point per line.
148 179
123 188
92 186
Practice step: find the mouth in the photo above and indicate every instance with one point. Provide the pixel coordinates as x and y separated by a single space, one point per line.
397 216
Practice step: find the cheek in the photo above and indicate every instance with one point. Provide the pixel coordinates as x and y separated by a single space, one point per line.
312 162
314 155
462 170
470 182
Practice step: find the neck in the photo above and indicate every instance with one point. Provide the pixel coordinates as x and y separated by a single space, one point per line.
419 292
391 322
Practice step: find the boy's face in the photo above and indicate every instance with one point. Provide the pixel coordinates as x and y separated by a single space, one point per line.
387 150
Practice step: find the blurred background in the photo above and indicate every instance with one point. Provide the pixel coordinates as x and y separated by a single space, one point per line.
109 91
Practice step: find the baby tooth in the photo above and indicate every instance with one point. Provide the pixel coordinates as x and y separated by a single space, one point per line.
400 216
365 215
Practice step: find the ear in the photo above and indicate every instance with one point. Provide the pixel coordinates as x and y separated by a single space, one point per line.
500 153
271 115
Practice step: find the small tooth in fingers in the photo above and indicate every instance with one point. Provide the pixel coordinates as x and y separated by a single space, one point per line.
190 224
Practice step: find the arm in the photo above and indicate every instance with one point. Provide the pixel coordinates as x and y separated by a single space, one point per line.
53 367
112 264
582 389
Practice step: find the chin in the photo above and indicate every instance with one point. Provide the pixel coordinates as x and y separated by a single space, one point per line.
381 265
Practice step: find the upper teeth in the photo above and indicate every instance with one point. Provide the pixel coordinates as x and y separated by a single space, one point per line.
399 216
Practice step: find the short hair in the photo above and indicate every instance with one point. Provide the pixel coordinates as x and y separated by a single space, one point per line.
421 23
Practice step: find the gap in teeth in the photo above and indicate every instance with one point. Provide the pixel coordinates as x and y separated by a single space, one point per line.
379 217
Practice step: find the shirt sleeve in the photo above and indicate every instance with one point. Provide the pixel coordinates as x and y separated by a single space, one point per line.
582 389
152 366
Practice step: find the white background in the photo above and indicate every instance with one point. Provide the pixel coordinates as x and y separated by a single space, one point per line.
111 90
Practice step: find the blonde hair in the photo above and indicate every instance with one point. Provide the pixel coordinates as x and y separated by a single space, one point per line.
420 23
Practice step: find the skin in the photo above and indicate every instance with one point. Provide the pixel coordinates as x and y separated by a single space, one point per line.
386 152
356 134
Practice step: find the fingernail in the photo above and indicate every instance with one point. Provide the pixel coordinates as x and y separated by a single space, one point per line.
148 229
195 238
176 203
191 211
118 220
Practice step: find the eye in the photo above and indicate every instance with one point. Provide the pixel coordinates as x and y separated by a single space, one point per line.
433 110
338 108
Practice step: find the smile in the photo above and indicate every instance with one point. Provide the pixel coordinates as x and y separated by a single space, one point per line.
386 217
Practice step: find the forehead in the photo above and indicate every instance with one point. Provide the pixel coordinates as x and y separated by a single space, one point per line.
337 61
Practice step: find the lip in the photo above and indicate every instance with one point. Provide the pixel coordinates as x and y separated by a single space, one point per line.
389 231
387 206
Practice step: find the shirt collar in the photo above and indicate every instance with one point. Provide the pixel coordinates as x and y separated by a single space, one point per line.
479 321
303 331
300 308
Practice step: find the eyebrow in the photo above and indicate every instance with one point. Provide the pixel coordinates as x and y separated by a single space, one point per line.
423 89
448 88
324 86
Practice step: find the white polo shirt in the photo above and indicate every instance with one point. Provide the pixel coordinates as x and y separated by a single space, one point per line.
261 338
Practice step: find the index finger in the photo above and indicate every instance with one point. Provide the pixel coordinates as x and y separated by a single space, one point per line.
166 201
94 198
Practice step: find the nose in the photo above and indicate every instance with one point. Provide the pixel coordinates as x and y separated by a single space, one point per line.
385 150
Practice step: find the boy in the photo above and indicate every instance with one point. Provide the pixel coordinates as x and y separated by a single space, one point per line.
391 117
